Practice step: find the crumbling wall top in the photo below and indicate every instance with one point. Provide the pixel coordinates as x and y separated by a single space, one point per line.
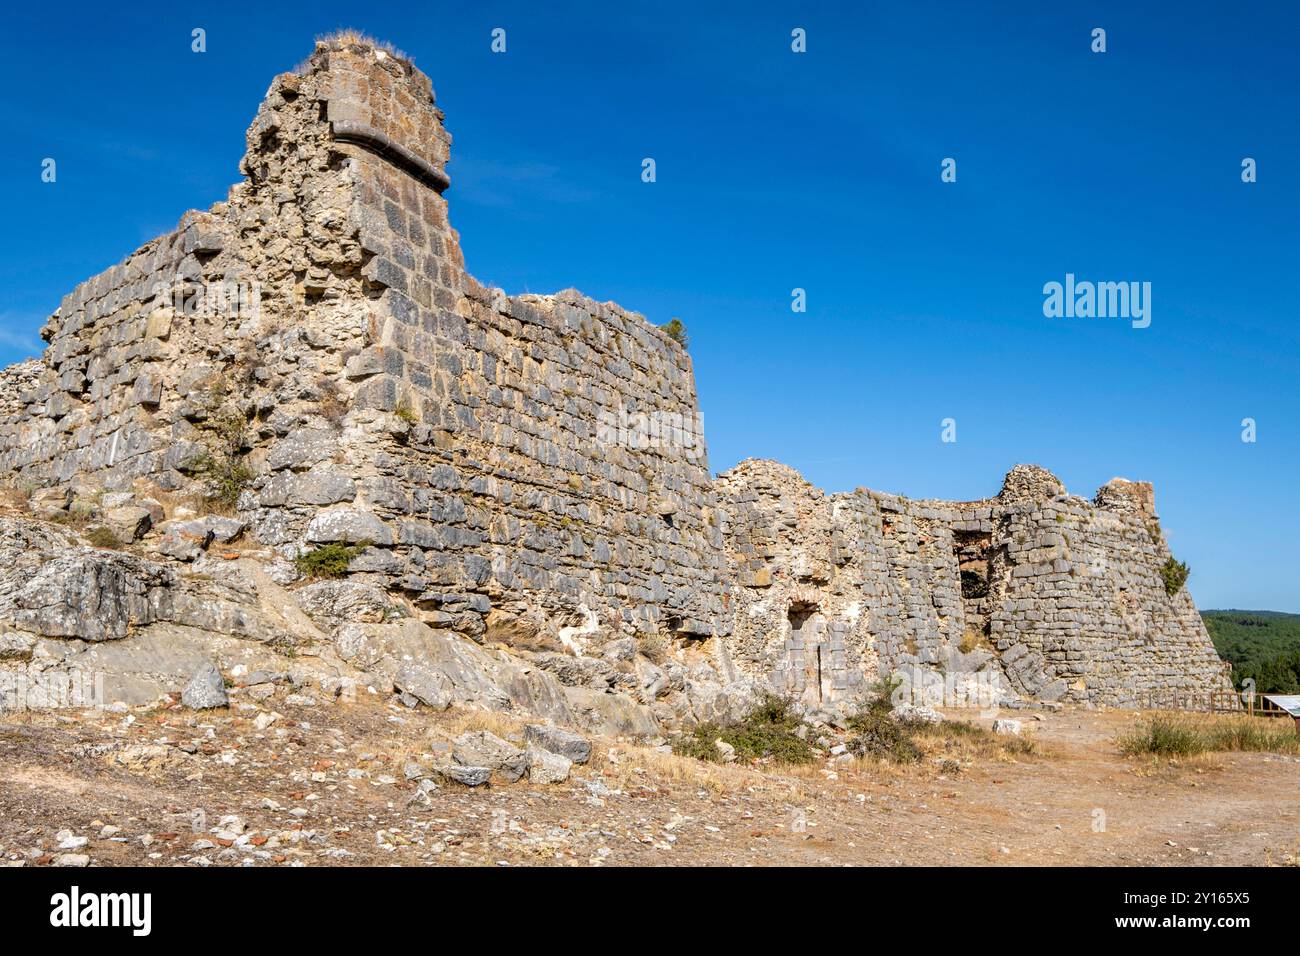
1030 483
1128 497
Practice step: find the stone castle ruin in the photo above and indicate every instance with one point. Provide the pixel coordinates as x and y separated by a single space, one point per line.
516 487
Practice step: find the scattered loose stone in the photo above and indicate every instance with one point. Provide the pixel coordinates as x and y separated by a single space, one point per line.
547 767
205 690
467 776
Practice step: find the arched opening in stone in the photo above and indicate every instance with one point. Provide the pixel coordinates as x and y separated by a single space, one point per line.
799 613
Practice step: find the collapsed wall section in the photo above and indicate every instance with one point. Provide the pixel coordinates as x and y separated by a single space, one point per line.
1081 611
1032 595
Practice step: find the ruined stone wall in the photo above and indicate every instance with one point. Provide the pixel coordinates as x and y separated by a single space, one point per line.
491 463
240 313
490 450
88 409
1038 594
1081 611
310 360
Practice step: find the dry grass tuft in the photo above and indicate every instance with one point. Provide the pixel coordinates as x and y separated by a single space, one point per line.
348 37
962 740
628 766
1193 735
461 720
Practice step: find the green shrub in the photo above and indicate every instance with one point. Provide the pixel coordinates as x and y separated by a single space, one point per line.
877 734
768 731
329 560
222 467
1175 575
677 332
225 477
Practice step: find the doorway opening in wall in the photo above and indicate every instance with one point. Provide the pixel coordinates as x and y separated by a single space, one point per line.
974 553
972 549
806 634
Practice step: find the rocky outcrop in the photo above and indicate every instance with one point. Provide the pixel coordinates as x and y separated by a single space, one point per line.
83 626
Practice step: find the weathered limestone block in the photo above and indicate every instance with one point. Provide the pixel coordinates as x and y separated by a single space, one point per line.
483 749
206 689
88 594
349 525
574 747
128 522
319 486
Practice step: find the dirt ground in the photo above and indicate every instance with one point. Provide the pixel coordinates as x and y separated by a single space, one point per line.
327 785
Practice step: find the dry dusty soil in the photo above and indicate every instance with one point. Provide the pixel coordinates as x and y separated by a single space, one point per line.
327 785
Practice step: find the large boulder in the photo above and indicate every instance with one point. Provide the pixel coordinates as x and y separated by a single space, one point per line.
206 689
128 522
556 740
83 593
483 749
426 685
447 669
547 767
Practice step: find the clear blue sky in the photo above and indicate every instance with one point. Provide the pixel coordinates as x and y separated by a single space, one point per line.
776 171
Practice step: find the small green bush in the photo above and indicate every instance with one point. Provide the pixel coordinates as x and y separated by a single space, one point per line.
768 731
677 332
223 467
225 476
329 560
1175 575
877 734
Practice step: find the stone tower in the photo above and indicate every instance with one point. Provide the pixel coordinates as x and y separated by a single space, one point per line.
313 352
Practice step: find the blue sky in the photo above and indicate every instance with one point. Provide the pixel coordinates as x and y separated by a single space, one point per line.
778 170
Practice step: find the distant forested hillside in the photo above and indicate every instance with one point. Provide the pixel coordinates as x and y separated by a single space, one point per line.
1264 645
